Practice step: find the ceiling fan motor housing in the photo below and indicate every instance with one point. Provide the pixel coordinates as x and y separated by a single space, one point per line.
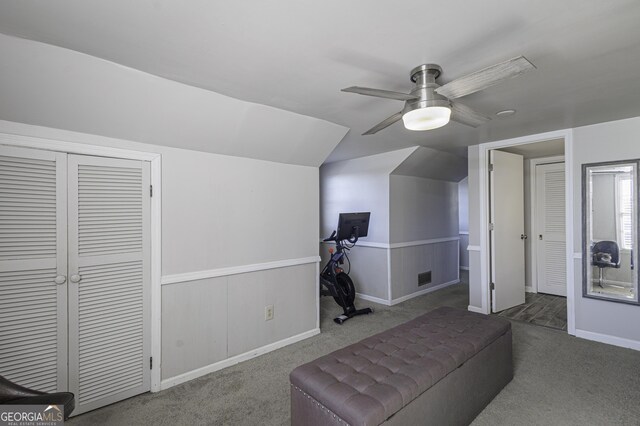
424 76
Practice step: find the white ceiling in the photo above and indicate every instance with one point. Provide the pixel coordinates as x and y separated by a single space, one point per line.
297 55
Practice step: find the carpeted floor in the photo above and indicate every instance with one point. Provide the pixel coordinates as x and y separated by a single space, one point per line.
559 379
540 309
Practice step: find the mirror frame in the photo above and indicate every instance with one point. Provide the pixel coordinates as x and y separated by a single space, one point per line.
585 249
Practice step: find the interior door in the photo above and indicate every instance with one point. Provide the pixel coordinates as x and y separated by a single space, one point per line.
109 264
33 268
507 236
550 238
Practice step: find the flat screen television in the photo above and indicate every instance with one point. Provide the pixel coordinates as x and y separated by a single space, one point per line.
353 225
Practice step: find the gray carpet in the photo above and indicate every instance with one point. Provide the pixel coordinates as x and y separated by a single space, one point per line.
559 379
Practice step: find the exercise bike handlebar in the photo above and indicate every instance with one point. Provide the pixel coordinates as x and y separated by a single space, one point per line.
352 240
332 237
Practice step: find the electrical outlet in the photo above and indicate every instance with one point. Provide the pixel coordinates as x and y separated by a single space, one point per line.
268 312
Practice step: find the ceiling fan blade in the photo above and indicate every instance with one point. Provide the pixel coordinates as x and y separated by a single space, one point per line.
378 93
384 124
465 115
484 78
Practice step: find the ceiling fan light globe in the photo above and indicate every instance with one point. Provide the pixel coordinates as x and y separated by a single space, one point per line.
426 118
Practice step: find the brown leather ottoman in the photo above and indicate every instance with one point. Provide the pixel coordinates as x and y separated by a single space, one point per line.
441 368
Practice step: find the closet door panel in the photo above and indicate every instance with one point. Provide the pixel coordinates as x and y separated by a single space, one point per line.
109 258
33 268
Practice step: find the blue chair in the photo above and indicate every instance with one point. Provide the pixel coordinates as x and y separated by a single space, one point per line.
605 254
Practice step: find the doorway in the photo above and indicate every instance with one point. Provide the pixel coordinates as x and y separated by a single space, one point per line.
527 233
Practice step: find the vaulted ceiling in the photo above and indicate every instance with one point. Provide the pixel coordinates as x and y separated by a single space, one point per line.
296 55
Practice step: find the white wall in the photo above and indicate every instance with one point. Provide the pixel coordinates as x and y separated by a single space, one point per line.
596 319
422 209
407 213
616 140
244 192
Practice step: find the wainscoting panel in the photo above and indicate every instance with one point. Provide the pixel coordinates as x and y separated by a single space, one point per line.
407 262
194 325
464 253
369 269
207 322
292 292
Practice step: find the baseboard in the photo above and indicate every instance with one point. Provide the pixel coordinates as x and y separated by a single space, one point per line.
464 268
610 340
476 309
422 292
185 377
372 299
529 289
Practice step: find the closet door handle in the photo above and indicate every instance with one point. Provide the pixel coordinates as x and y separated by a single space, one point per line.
60 279
75 278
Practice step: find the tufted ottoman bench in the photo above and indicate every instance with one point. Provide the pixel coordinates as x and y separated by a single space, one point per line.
441 368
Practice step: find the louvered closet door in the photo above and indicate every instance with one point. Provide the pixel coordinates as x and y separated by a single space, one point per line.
33 307
109 259
550 238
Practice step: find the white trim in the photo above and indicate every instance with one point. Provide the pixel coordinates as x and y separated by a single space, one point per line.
318 295
193 374
422 292
577 255
74 147
156 272
533 193
234 270
464 268
423 242
389 289
55 143
610 340
473 248
463 232
407 297
401 245
372 299
361 243
568 203
475 309
483 190
530 289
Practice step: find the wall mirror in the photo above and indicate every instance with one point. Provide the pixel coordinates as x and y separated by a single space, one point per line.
610 231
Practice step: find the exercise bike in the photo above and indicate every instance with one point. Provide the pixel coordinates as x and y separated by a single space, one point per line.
335 281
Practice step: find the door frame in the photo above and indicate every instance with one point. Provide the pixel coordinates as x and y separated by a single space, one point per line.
533 199
483 195
49 139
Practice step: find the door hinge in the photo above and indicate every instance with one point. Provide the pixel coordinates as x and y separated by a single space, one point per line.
490 167
492 286
151 363
150 190
491 227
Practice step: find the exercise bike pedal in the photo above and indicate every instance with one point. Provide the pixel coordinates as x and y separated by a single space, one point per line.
340 319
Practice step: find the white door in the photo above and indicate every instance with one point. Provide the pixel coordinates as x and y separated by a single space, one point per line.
550 237
33 268
109 264
507 236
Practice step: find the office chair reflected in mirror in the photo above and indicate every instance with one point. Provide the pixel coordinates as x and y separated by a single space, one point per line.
605 254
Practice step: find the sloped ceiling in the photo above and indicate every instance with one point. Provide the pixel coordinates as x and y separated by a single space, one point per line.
49 86
296 55
433 164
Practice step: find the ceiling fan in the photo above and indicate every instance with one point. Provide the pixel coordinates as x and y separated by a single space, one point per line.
429 106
